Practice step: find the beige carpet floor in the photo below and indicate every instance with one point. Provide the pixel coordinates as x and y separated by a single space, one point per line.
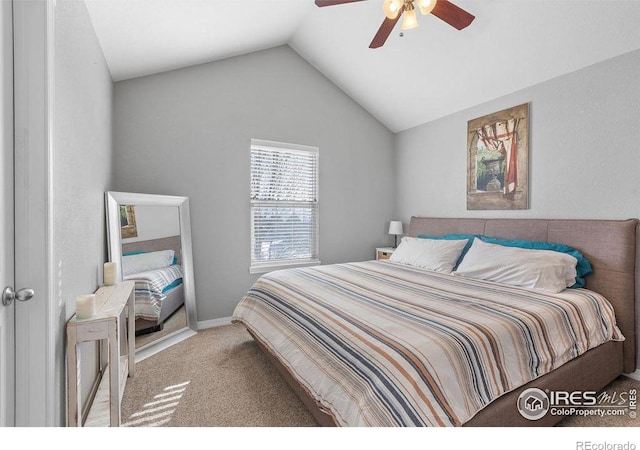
220 378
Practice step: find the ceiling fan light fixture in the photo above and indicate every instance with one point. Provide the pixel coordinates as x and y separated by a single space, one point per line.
409 18
392 8
426 6
444 10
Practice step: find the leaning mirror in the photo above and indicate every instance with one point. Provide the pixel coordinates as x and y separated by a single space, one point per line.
150 243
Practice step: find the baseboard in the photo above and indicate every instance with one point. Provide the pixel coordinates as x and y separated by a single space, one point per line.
633 375
214 323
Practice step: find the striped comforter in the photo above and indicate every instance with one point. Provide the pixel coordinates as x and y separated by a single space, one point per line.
150 288
381 344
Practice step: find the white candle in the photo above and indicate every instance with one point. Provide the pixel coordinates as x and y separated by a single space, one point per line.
109 274
85 306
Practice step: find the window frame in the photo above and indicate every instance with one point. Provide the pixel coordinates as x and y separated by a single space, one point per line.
258 267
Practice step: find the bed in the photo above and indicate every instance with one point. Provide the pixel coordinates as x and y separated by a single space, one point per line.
158 292
609 245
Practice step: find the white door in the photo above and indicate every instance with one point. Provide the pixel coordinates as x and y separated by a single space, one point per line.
7 346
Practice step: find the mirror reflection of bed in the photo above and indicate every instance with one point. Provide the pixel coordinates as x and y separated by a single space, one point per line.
159 292
149 235
153 259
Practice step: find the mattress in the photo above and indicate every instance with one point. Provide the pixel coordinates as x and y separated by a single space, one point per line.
151 288
382 344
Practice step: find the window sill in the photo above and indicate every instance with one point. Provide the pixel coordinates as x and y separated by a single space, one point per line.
278 266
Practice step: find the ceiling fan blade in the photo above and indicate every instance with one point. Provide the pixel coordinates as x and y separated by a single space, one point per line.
452 14
322 3
385 30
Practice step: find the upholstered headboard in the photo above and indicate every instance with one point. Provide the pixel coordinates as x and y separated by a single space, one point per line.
610 246
153 245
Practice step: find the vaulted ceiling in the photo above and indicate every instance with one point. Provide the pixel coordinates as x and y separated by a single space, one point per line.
430 72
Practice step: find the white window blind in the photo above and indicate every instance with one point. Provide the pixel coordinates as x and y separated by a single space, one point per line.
284 205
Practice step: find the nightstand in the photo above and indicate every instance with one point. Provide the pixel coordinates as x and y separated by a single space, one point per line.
384 252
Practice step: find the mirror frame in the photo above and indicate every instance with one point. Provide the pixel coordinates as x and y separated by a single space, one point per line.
114 200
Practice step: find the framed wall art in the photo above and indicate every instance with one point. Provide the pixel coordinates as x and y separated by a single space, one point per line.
128 227
498 160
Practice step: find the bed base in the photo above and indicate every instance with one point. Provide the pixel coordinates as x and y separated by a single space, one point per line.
576 375
147 329
174 299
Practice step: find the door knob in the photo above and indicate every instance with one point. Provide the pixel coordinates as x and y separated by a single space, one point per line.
9 295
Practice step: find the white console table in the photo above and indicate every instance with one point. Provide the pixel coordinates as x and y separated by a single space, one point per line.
113 304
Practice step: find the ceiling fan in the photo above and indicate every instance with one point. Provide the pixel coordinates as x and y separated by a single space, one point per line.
394 9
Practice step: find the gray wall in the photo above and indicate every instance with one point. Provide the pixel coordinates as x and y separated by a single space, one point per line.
82 171
187 132
584 150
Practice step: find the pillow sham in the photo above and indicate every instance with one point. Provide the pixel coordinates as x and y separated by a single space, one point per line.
173 263
583 267
430 254
454 237
143 262
544 270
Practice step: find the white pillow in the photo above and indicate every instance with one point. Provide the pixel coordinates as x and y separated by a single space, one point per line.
144 262
545 270
432 254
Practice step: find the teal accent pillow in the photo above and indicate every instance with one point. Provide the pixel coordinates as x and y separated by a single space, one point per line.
583 267
454 237
173 263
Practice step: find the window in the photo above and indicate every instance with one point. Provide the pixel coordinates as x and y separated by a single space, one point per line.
284 205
